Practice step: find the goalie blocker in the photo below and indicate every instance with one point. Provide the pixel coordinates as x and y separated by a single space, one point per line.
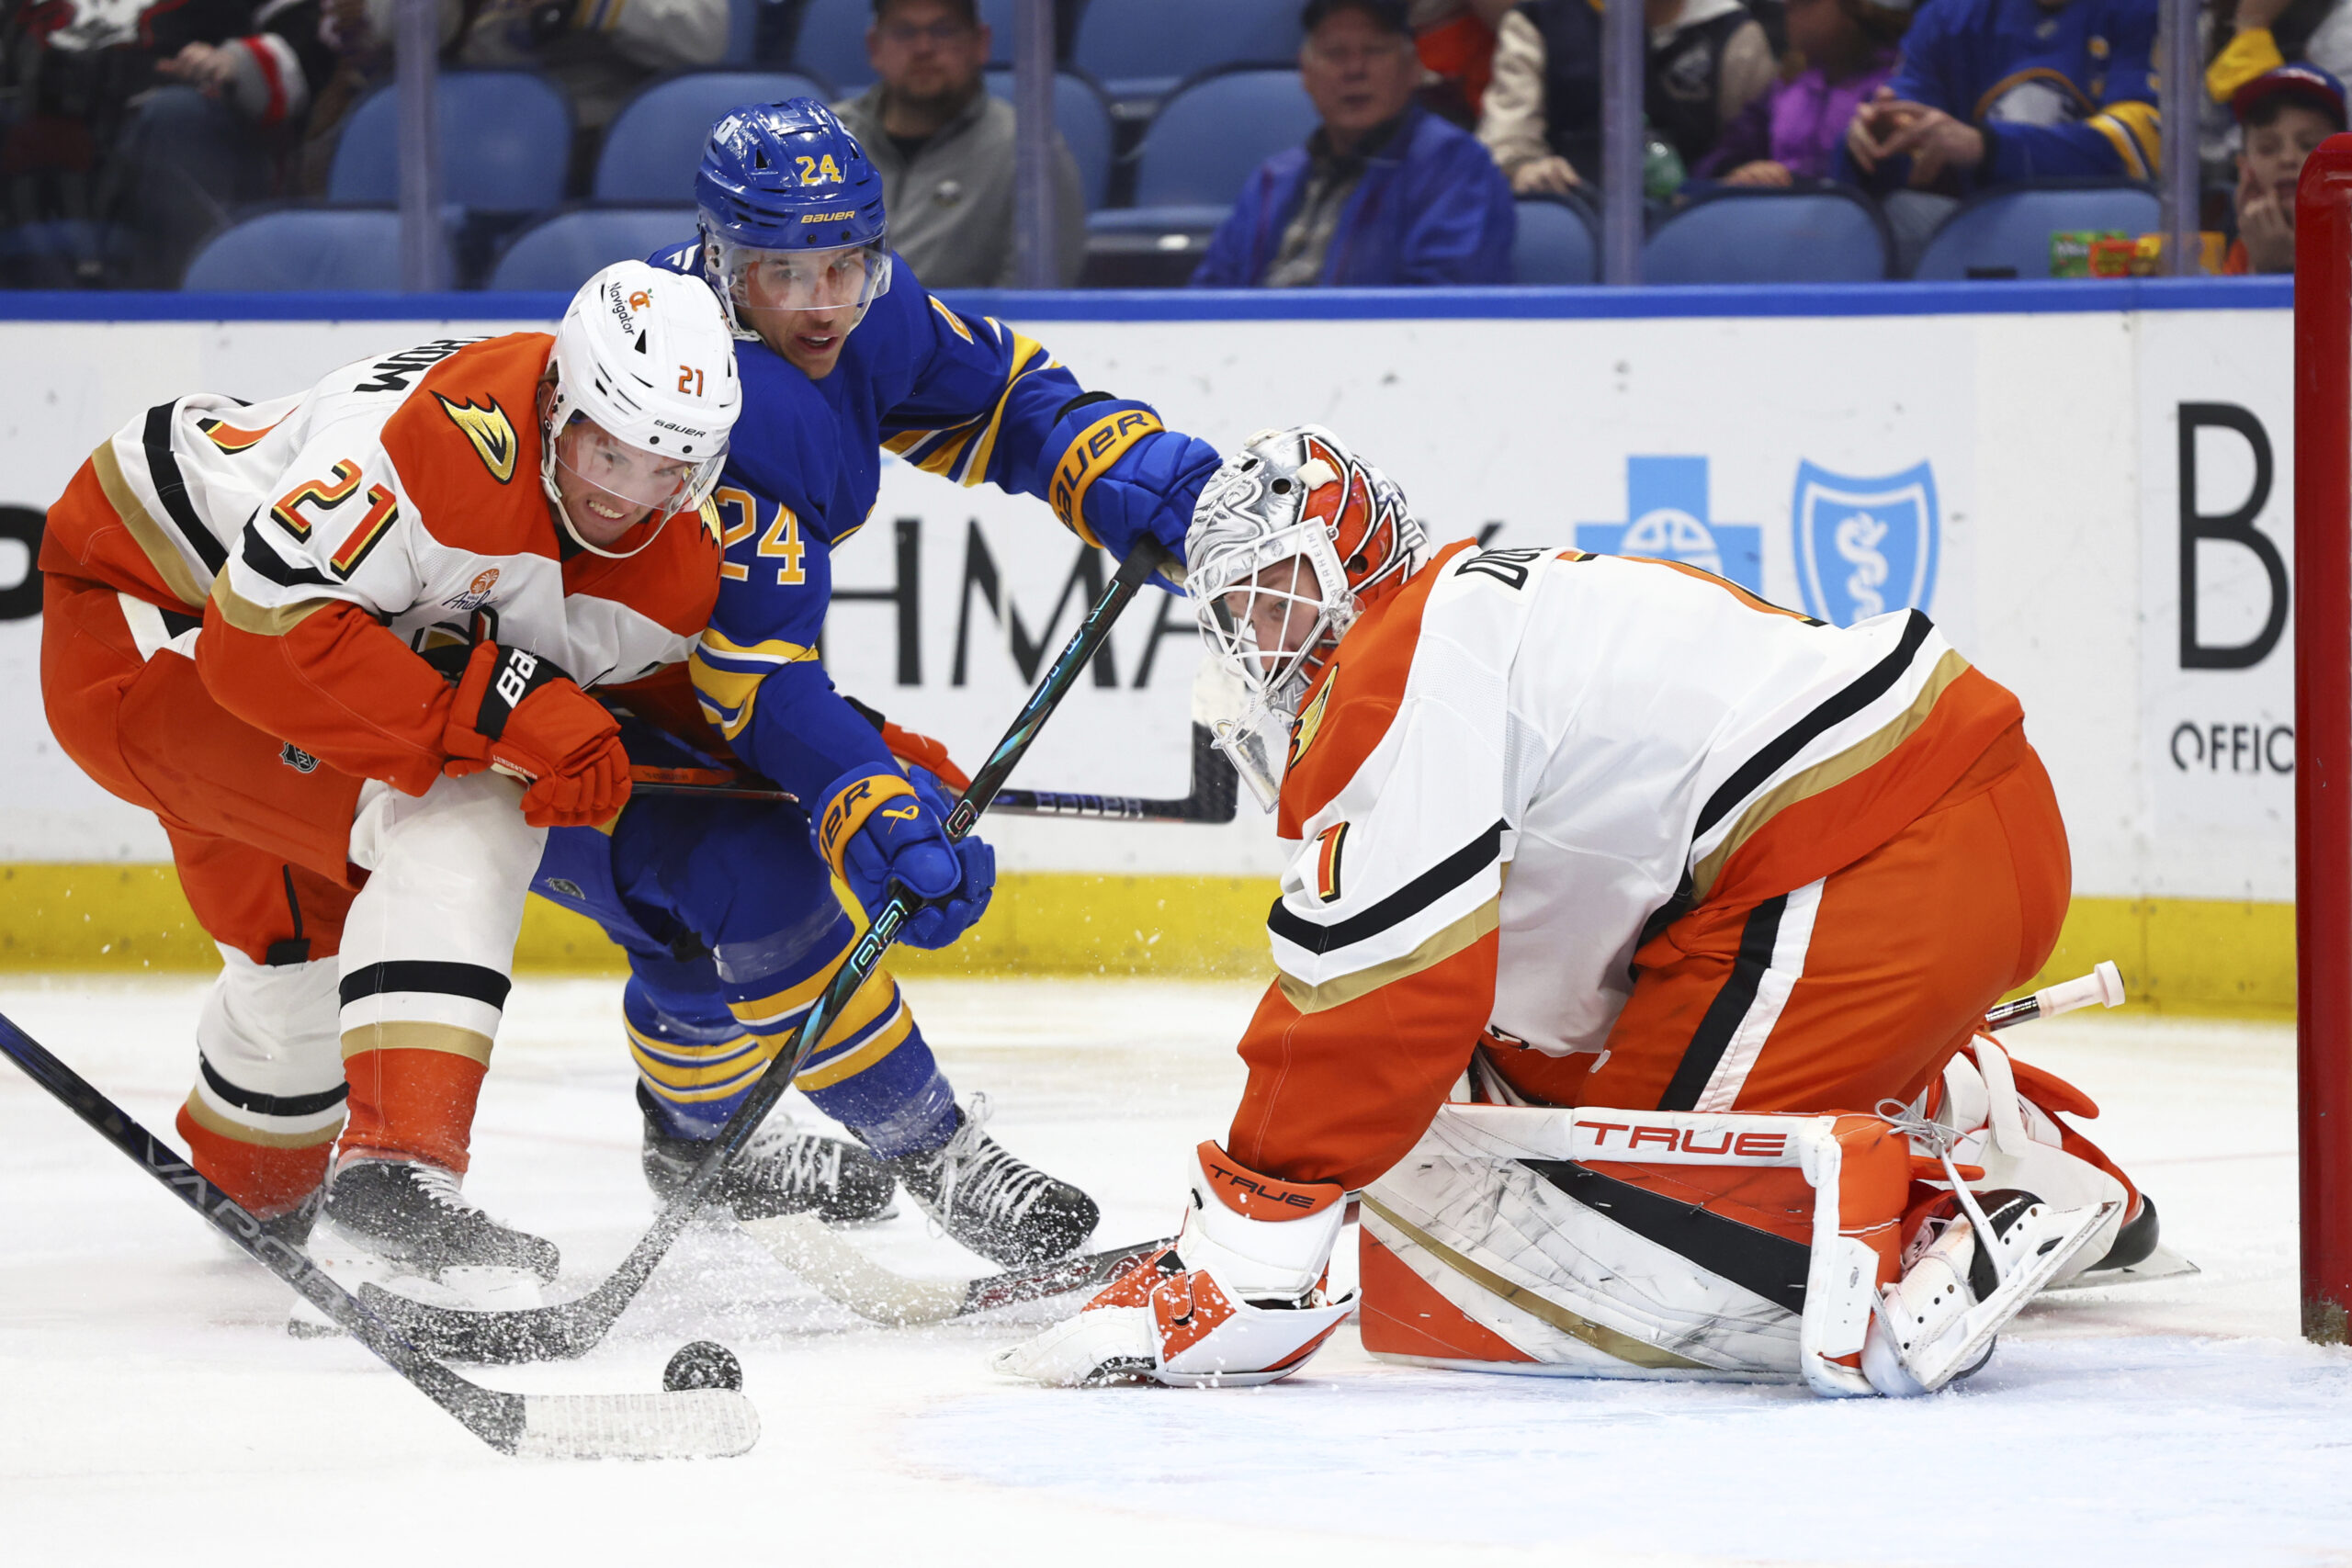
1595 1243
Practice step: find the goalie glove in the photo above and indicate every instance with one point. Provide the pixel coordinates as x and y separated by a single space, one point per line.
1239 1299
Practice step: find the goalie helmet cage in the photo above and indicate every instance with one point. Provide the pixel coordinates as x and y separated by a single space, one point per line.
2323 733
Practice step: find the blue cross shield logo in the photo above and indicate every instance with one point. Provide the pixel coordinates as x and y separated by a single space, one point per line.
1864 546
1666 512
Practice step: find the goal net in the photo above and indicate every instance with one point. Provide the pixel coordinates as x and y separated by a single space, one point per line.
2323 733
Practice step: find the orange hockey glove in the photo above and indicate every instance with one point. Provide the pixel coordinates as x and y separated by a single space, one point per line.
925 752
516 713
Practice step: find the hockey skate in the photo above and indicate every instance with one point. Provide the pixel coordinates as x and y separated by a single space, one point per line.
1969 1266
779 1172
391 1221
1008 1212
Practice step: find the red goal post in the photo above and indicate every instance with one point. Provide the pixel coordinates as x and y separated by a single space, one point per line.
2323 733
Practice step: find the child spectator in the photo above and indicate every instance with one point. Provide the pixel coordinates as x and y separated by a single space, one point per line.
1708 61
2266 34
2283 115
1840 50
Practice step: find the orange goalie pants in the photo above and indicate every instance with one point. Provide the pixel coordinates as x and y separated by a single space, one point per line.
259 833
1848 991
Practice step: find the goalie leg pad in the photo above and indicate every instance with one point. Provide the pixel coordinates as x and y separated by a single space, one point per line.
1240 1300
1607 1242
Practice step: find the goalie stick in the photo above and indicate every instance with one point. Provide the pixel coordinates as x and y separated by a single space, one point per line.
1213 798
572 1328
694 1423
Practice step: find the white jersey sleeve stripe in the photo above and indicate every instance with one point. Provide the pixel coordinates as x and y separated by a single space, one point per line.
1408 901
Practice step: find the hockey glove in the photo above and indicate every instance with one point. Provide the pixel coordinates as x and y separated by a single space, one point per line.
1122 476
1239 1299
877 825
516 713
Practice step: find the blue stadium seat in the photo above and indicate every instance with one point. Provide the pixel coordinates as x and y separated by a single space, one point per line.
1084 120
1209 138
743 31
1140 50
1822 235
2010 227
303 248
1555 243
506 142
832 42
564 252
657 139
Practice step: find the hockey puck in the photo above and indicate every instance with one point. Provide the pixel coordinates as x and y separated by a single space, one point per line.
703 1364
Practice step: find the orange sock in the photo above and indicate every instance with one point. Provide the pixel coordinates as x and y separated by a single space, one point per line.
266 1181
413 1105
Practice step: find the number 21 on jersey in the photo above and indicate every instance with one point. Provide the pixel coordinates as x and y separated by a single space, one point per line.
739 519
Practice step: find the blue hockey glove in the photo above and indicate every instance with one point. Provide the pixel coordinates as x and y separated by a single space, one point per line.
1121 477
877 825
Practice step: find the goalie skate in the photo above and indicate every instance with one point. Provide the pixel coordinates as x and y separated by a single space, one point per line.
1936 1322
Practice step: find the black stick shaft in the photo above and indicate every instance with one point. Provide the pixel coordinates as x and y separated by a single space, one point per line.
496 1418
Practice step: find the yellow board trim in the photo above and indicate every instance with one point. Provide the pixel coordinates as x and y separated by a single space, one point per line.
2183 957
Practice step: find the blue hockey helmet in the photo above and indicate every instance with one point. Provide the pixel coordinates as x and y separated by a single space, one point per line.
791 210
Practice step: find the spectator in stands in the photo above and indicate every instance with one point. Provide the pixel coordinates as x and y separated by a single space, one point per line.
1708 61
1383 192
2284 114
945 149
1840 52
599 51
1995 92
1456 39
139 127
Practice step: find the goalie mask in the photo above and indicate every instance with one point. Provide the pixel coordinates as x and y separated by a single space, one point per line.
640 400
1288 537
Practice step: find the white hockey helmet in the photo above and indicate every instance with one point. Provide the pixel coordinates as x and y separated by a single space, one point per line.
645 392
1298 498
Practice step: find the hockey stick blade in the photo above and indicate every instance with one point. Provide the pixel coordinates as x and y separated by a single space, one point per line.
847 1275
573 1327
699 1423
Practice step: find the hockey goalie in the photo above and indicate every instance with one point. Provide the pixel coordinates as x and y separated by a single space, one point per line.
1633 961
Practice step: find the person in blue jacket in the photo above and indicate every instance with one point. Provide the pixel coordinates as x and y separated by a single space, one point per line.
1383 194
727 908
1992 91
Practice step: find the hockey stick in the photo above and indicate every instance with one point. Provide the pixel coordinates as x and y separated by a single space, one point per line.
844 1274
2103 984
1213 797
694 1423
572 1328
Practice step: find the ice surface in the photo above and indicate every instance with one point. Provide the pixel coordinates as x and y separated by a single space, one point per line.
152 1410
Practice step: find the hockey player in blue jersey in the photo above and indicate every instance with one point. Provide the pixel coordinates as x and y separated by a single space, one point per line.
1991 92
726 909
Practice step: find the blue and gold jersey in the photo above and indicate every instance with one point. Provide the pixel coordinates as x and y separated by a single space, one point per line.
2063 91
967 398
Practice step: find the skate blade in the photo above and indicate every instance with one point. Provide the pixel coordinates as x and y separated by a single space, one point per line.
1961 1347
2163 1263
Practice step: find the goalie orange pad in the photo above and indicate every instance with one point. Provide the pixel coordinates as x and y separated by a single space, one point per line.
1601 1243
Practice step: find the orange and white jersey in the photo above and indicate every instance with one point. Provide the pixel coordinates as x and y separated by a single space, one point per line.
1561 753
332 535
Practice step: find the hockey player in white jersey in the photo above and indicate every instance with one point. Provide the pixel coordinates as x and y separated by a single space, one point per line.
1703 900
339 643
